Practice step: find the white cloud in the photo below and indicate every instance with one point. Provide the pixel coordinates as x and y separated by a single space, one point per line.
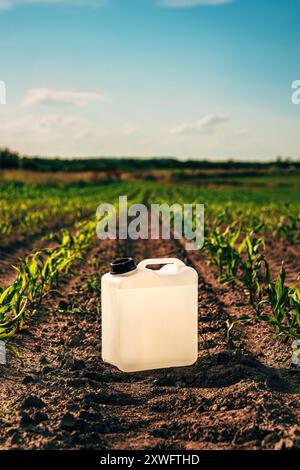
48 96
207 125
192 3
51 134
46 124
8 4
130 129
70 135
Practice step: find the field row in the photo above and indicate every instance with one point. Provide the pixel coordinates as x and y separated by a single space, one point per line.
26 210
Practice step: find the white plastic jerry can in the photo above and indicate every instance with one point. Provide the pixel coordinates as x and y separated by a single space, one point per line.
149 317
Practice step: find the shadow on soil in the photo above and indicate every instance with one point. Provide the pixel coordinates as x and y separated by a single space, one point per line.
211 371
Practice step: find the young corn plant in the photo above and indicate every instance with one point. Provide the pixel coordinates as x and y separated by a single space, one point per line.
222 252
287 228
294 296
12 309
29 277
284 301
255 272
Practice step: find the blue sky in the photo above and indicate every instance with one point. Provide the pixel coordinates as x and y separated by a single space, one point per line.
189 78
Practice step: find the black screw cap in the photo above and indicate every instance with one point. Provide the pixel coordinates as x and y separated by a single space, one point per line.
122 266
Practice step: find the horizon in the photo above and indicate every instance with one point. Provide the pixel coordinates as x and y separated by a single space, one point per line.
274 160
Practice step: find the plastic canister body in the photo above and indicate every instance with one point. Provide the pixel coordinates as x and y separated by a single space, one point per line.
150 317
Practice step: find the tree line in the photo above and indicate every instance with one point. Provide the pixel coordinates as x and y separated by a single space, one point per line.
13 160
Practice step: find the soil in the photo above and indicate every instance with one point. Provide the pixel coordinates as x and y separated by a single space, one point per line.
241 394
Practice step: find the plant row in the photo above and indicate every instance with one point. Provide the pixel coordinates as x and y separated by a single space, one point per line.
240 260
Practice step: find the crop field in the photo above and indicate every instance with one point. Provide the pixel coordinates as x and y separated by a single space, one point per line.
243 392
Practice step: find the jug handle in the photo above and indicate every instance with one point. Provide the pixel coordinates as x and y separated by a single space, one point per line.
143 264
